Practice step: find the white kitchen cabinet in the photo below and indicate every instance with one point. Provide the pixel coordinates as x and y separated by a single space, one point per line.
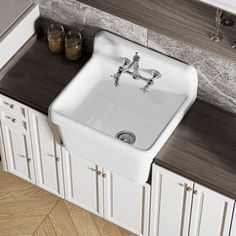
47 153
31 146
83 185
126 203
16 139
171 199
116 199
233 224
211 213
175 201
31 149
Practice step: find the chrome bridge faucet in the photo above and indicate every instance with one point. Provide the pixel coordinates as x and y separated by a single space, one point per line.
125 68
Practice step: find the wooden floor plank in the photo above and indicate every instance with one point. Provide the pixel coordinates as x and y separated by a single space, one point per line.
23 235
45 229
26 208
14 188
125 232
62 221
11 226
10 182
82 219
105 227
1 168
23 206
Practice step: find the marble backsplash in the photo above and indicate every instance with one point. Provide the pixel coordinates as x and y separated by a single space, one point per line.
217 76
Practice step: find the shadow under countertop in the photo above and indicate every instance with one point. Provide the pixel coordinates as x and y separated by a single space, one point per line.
39 76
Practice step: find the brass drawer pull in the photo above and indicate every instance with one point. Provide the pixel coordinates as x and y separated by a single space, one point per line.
13 120
189 189
9 104
195 192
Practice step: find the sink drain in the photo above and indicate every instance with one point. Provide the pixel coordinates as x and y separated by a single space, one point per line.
126 136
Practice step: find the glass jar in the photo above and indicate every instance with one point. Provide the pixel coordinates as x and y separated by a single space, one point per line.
56 34
73 46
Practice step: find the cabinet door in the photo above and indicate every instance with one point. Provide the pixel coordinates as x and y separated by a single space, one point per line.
171 200
17 145
211 213
47 153
233 225
126 203
2 152
83 183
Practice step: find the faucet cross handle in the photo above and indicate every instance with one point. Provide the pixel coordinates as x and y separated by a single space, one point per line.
126 62
155 75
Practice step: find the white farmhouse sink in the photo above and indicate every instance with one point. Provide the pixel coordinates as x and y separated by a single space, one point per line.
90 111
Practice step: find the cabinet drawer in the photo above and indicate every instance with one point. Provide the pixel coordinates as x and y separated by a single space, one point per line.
15 122
13 108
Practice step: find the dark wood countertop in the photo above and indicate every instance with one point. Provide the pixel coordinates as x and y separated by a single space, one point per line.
203 148
39 76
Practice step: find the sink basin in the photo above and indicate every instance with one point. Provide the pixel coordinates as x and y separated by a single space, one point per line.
91 111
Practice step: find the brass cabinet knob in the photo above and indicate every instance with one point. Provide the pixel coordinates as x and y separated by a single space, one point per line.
195 192
29 159
13 120
189 189
57 159
9 104
104 175
99 172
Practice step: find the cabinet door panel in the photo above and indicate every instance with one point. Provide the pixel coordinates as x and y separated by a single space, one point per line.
82 184
18 151
2 152
170 204
211 213
126 203
47 153
233 225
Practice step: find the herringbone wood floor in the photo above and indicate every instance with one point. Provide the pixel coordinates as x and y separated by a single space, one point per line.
28 210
